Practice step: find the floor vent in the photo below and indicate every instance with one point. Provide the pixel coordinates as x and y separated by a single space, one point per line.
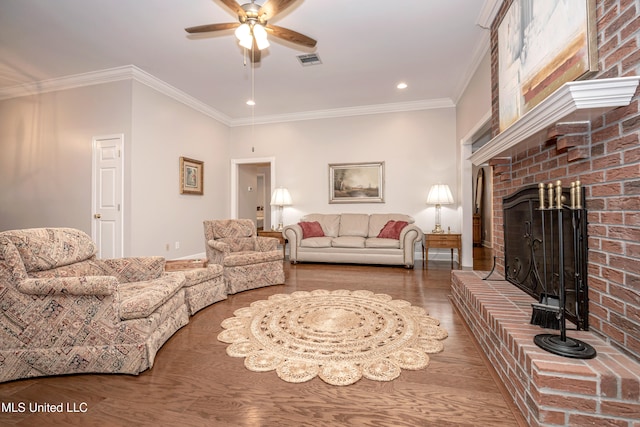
309 59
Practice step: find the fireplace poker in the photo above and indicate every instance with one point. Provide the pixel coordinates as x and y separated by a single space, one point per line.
545 312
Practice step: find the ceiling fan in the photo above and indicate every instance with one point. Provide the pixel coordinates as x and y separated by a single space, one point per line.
252 28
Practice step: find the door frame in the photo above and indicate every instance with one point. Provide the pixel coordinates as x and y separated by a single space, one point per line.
235 164
94 182
466 182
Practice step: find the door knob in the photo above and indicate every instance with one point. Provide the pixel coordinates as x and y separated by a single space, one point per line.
97 216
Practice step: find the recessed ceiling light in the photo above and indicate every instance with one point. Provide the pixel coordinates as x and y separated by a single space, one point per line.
251 102
402 85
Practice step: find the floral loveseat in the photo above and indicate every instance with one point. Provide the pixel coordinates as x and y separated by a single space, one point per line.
62 311
354 238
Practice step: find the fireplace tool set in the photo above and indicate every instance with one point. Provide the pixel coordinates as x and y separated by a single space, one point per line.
550 311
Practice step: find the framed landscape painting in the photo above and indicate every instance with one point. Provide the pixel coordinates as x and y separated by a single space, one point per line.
356 182
191 176
541 46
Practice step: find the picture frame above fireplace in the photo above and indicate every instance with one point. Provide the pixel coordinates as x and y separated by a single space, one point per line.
541 46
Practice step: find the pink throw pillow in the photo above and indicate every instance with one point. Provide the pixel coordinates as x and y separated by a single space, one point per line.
392 229
311 229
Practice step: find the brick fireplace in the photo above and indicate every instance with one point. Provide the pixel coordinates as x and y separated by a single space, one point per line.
601 149
604 154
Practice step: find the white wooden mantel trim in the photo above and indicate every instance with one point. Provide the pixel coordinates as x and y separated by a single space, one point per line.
573 101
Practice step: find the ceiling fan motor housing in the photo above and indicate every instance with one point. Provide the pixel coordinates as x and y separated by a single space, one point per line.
252 13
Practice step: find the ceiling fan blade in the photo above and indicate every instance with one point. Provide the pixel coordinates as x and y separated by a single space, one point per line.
290 35
233 5
212 27
273 7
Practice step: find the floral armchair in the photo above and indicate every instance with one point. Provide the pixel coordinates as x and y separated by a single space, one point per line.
63 311
249 261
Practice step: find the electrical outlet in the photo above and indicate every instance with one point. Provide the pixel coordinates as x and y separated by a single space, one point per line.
177 245
249 188
167 247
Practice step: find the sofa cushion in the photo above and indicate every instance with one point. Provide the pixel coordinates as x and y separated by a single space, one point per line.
311 229
316 242
195 276
354 225
140 299
330 223
229 228
240 244
236 259
374 242
378 221
348 242
392 230
47 248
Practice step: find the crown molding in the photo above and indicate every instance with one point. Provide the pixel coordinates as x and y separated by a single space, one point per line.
180 96
127 72
67 82
488 13
345 112
131 72
574 101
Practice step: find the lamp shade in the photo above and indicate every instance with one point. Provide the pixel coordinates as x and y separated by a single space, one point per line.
280 197
440 194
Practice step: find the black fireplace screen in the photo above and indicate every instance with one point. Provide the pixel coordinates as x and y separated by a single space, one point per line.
532 248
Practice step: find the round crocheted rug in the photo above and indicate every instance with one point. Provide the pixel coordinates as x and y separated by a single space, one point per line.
340 336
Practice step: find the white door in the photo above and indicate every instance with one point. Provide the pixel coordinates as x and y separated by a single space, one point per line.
107 184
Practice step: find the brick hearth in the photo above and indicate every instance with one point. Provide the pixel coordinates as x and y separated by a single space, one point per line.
549 390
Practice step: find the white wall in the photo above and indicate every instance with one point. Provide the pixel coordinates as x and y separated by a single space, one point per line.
418 148
472 110
45 164
163 131
45 153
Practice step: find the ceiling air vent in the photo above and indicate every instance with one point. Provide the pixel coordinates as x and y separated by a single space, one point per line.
309 59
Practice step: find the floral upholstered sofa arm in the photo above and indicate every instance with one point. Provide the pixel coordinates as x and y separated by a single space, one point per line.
86 285
217 251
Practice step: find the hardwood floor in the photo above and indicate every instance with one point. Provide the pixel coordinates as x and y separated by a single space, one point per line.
194 382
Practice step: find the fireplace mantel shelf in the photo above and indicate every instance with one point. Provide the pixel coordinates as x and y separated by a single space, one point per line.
572 102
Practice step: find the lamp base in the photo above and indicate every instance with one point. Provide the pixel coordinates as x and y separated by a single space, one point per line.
438 230
570 347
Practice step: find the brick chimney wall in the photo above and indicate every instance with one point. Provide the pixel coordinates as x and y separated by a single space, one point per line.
605 156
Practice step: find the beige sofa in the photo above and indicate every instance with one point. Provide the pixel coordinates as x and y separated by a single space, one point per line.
63 311
352 238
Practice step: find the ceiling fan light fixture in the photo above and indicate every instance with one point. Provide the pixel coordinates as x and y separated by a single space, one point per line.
262 43
260 35
243 32
247 42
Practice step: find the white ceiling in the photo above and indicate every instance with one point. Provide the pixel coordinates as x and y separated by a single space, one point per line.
366 48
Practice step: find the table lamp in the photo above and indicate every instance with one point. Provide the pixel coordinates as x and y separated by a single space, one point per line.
280 198
440 194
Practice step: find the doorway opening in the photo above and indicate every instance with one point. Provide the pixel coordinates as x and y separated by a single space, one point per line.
252 182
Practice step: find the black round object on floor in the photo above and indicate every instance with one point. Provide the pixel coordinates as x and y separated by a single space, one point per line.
573 348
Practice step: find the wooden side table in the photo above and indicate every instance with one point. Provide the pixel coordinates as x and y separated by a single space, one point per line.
278 235
446 241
